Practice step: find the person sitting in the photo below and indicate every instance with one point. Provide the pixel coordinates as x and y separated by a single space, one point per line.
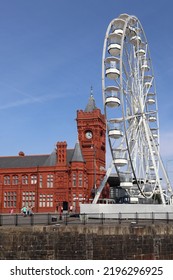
24 211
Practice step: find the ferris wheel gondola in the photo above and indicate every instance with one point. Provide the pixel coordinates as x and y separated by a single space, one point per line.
130 106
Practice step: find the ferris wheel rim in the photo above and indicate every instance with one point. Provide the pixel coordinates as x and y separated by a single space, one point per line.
125 19
125 128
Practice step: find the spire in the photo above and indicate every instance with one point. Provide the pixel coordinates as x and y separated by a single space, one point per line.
77 153
91 106
91 91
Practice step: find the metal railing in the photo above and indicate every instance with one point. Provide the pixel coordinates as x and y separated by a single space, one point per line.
85 218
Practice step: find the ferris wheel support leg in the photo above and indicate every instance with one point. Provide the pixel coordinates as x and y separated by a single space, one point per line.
99 190
169 188
157 176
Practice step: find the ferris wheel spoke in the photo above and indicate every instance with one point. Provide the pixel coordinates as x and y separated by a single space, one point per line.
128 61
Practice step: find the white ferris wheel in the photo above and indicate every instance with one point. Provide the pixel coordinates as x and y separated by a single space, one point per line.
130 106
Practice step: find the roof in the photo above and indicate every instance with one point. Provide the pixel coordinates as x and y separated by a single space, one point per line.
32 160
23 161
77 154
91 106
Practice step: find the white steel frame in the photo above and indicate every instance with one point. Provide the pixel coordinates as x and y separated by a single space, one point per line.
135 117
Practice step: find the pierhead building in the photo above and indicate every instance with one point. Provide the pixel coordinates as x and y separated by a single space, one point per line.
65 178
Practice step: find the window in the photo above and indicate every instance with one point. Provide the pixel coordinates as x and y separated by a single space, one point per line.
15 180
25 179
7 180
41 181
28 198
74 180
49 181
50 200
10 199
80 180
33 179
42 200
46 200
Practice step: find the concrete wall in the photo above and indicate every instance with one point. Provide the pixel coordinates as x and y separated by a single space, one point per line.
144 211
87 242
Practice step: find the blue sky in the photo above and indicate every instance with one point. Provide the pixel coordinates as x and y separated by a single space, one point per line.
50 55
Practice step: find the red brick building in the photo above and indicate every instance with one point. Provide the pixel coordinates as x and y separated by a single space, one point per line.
66 177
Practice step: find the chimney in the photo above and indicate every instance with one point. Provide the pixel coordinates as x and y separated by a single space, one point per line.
21 154
61 153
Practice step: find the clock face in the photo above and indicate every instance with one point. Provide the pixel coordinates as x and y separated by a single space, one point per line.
88 134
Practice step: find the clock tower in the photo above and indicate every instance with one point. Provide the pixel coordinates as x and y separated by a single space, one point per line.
91 127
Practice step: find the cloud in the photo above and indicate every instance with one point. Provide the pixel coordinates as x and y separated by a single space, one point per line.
30 100
13 88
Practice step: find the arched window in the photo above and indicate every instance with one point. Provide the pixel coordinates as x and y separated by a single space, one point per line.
25 179
15 180
6 180
33 179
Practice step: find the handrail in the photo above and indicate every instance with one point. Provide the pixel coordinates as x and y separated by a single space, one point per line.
55 219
